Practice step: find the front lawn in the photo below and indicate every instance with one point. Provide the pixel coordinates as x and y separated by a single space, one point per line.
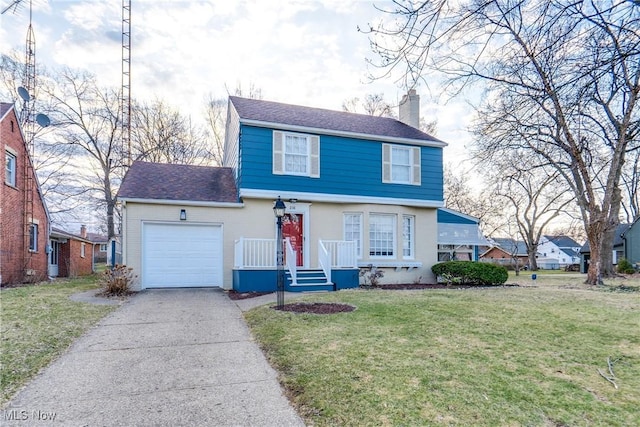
501 356
39 322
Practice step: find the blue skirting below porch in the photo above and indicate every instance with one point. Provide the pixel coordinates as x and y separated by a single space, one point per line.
266 281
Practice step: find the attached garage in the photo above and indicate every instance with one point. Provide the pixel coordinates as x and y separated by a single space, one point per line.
181 255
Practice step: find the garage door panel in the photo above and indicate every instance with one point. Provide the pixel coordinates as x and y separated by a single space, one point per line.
182 255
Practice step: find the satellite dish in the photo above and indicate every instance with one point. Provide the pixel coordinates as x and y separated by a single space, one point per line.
43 120
24 94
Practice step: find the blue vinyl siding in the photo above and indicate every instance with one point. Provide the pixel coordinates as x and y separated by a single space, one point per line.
347 166
445 217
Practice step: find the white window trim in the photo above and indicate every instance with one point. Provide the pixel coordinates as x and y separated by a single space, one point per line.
33 226
394 235
415 173
360 241
13 173
82 250
412 237
279 154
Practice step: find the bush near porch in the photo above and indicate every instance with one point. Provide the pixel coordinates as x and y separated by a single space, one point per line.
488 356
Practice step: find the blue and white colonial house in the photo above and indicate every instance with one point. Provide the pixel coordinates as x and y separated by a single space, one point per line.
359 191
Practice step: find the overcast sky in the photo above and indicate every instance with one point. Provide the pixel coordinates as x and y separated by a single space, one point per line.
305 52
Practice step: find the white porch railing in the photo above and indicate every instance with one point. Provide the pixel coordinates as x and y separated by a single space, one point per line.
324 259
291 260
343 253
261 253
255 253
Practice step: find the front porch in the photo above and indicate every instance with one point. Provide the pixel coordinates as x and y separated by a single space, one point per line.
255 266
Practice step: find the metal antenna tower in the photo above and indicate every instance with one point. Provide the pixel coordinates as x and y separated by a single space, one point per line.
126 81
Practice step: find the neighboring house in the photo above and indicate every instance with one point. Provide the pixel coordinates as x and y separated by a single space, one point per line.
101 247
24 220
631 239
507 252
359 190
626 244
563 249
459 236
71 255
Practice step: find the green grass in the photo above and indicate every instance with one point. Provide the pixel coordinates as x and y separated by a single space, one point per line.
504 356
39 322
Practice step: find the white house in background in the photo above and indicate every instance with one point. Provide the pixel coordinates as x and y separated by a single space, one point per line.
561 248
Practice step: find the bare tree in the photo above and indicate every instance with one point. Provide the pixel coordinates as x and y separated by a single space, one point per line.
12 73
88 133
373 104
535 198
562 82
478 203
216 116
162 134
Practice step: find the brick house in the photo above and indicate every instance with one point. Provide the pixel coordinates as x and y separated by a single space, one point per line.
71 254
24 220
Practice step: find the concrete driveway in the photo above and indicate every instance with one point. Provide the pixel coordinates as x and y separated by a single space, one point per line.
179 357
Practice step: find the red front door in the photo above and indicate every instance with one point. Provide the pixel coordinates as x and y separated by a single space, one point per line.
292 229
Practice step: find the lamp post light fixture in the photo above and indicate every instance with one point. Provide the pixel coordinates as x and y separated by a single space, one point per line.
278 210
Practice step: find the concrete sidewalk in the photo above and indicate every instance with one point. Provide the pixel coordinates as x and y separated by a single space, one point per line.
180 357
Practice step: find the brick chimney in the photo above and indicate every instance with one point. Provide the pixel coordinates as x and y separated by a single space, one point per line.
410 109
83 231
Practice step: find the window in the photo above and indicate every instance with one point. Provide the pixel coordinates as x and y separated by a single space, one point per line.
408 225
353 230
382 235
33 237
457 253
10 172
401 164
82 250
103 247
296 154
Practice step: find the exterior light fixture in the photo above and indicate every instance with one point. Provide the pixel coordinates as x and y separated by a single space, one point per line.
278 210
183 214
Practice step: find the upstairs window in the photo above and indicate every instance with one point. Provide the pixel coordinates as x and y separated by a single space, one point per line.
401 164
296 154
10 170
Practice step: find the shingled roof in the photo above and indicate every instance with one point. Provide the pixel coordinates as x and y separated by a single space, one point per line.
274 113
160 181
4 107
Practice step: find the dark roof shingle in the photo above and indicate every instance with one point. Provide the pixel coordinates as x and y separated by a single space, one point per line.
318 118
160 181
4 107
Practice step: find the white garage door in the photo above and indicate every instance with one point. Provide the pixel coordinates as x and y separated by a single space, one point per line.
181 255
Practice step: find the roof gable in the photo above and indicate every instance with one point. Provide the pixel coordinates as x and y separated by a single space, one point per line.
512 246
268 113
563 241
5 107
161 181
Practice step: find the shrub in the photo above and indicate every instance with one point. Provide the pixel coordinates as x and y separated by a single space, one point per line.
371 276
471 273
625 267
117 281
